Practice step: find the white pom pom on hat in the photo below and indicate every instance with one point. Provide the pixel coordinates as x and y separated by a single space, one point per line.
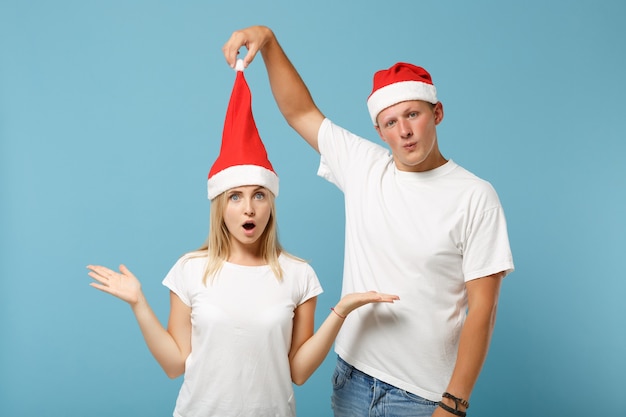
401 82
243 159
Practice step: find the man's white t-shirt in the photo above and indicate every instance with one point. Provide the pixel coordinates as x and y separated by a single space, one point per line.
420 236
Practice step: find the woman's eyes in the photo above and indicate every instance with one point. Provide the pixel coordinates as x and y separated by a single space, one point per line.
257 196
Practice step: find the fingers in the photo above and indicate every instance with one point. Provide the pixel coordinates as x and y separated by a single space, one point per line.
353 301
125 270
101 270
101 287
389 298
253 38
230 51
123 284
375 296
103 277
107 277
100 273
231 48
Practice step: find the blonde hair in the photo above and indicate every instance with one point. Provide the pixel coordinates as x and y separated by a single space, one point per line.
217 245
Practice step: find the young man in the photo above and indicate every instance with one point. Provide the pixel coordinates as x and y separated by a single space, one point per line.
417 225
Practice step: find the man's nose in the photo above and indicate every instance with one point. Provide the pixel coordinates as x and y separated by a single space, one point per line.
405 129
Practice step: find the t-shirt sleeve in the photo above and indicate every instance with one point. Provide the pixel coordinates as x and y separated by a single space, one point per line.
487 249
175 281
343 155
311 285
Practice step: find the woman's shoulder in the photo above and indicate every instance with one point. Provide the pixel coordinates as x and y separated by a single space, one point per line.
192 261
300 274
288 260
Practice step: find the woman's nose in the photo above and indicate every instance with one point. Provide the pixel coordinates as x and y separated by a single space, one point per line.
249 209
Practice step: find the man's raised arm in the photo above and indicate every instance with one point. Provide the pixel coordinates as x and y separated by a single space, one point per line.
291 94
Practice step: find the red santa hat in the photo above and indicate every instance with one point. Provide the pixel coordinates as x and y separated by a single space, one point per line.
401 82
243 158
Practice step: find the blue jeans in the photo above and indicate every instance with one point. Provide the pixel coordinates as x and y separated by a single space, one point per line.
356 394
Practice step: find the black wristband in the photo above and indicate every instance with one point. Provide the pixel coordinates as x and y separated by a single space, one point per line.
456 400
452 410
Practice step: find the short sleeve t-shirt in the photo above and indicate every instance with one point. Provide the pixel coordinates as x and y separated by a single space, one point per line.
241 336
422 236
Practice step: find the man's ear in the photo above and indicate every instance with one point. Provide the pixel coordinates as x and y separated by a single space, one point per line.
379 133
438 111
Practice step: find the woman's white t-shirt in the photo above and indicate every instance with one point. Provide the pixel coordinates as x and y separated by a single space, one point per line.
241 335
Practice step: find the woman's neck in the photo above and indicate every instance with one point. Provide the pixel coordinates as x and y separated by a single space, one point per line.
246 255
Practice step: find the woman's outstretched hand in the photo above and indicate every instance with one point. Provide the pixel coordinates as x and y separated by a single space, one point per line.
123 284
350 302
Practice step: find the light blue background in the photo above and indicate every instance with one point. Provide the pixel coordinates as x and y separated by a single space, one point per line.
111 114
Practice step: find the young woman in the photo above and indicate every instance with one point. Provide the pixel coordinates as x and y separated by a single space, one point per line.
241 322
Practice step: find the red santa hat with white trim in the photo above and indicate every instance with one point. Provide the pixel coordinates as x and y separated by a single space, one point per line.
243 159
401 82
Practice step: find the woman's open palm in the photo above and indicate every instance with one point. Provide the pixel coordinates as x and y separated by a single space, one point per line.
124 285
352 301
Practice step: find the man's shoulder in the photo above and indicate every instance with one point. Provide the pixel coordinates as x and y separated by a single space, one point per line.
470 183
463 173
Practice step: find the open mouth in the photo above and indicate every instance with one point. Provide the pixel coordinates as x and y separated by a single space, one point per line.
248 226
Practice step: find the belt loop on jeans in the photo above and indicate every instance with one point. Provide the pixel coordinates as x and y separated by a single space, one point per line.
350 367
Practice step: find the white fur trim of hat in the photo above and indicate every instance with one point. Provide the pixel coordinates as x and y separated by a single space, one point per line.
239 176
398 92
